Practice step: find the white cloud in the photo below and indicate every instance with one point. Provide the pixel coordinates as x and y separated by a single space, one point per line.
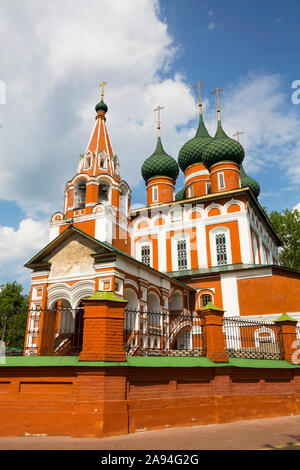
211 26
54 62
297 207
22 243
257 106
18 246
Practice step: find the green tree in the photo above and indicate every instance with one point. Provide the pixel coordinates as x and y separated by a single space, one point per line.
13 314
287 225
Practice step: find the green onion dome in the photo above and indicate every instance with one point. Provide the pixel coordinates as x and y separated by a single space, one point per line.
222 148
101 107
246 181
181 194
160 164
191 152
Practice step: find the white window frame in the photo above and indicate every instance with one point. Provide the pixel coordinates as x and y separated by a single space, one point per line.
212 241
221 175
191 191
202 295
155 193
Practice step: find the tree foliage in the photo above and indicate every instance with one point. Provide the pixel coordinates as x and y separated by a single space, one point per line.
13 314
287 225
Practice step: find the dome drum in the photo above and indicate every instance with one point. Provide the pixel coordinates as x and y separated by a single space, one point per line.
160 190
225 176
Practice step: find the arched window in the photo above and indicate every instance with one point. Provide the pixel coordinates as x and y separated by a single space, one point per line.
103 192
221 248
102 160
204 299
144 252
180 246
181 254
80 193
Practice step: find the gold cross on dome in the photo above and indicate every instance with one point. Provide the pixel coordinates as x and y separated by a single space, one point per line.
199 95
217 91
237 134
158 117
102 91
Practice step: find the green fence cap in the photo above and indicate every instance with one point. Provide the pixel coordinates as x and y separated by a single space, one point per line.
285 317
106 295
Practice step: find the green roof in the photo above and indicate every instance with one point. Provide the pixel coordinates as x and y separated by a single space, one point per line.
222 148
226 268
159 164
215 269
180 195
191 152
73 361
247 182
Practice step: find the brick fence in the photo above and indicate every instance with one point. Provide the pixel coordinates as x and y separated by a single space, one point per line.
97 401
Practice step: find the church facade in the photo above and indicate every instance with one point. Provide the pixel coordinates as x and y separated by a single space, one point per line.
209 242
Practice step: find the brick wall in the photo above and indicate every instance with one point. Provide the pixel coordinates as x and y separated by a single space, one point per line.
97 402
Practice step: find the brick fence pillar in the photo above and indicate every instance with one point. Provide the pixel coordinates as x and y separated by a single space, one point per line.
289 338
103 327
214 336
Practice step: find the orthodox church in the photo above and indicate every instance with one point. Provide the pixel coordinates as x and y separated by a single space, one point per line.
210 241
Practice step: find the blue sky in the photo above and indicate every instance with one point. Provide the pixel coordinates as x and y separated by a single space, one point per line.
150 52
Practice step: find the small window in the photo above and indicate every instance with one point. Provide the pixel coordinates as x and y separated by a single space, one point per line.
208 188
221 249
145 252
155 193
80 193
88 162
205 298
191 191
103 192
181 254
221 181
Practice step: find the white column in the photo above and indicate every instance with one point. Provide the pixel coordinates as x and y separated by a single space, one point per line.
230 295
201 246
245 240
162 250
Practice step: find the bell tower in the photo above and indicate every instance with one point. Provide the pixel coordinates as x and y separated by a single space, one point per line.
96 199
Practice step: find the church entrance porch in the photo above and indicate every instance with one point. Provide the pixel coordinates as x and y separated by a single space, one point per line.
54 332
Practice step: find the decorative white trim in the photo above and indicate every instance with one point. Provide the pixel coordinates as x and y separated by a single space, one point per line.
73 294
254 273
214 205
196 173
232 202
